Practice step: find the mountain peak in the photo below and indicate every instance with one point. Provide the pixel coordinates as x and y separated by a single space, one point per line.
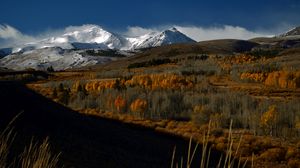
173 29
88 35
166 37
57 51
91 36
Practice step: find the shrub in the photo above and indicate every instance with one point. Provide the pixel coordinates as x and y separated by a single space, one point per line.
54 94
50 69
153 62
266 53
198 72
273 154
64 97
294 163
201 115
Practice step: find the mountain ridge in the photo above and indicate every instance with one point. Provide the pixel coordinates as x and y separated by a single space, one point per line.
292 32
100 38
68 49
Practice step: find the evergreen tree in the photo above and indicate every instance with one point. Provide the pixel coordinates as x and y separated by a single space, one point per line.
65 97
119 86
54 93
50 69
81 92
61 87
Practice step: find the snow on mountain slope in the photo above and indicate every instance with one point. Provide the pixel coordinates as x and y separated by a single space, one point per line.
56 57
135 42
75 37
95 37
58 51
293 32
86 34
170 36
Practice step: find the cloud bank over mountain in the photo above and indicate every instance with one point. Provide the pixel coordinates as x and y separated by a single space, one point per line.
199 33
223 32
11 36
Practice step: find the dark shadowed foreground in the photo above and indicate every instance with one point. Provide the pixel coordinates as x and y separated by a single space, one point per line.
85 141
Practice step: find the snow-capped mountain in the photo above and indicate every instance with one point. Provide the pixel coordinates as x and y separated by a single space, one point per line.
76 37
293 32
154 39
170 36
95 37
58 51
136 42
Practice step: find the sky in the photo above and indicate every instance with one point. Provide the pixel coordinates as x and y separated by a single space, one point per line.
247 17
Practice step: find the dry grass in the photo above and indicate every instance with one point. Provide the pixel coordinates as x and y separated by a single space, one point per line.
6 138
240 148
34 156
231 158
39 156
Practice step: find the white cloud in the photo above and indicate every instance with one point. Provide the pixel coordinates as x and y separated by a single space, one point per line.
11 36
7 32
224 32
138 31
202 33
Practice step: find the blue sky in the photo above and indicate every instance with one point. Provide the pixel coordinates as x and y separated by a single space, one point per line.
31 16
23 21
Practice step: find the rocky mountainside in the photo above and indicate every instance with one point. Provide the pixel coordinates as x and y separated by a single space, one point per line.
293 32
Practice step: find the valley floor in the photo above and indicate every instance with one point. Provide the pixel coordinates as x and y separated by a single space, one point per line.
237 99
84 141
261 151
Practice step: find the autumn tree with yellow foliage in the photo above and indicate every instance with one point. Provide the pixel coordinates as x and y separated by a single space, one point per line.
138 107
120 103
269 119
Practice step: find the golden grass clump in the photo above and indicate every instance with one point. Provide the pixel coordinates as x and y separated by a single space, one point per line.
230 159
39 156
6 138
34 156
